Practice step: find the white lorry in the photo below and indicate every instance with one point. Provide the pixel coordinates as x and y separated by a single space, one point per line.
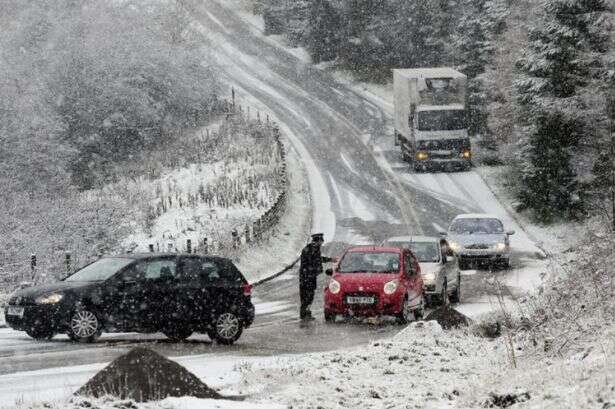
430 118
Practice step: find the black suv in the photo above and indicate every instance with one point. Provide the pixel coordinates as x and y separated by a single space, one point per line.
176 294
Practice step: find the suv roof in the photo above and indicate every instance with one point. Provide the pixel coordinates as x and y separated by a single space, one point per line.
140 256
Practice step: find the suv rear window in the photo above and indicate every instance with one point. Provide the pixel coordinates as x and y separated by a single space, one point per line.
210 270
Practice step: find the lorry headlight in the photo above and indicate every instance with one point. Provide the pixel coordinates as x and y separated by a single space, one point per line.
334 287
422 155
500 247
49 298
390 287
467 154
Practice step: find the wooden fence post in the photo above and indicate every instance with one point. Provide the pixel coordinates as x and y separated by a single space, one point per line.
33 266
247 234
67 262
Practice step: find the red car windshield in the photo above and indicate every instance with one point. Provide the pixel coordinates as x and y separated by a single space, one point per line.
369 262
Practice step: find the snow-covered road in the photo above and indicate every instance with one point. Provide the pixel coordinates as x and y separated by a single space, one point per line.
361 192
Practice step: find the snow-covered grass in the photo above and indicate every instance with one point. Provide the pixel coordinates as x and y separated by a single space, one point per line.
421 367
284 245
237 179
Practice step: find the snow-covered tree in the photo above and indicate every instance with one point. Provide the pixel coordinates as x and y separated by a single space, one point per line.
475 41
324 26
557 64
603 182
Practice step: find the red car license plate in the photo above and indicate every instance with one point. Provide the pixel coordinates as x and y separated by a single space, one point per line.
360 300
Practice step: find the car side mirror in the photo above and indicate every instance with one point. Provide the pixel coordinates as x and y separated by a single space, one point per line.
510 232
329 271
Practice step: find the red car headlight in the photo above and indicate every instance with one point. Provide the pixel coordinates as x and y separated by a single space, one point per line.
391 287
334 286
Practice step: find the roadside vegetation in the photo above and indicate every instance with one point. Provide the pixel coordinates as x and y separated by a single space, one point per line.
96 97
540 73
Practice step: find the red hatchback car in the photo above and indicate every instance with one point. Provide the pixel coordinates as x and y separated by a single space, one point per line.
372 281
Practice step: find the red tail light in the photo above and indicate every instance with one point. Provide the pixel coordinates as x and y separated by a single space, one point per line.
247 289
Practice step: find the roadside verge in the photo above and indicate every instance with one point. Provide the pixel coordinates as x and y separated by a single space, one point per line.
277 253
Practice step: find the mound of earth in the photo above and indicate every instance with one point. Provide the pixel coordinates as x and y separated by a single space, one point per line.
144 375
448 317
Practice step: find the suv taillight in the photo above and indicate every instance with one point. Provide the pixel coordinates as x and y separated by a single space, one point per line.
247 290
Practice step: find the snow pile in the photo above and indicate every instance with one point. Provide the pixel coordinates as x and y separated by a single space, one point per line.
421 367
448 317
144 375
168 403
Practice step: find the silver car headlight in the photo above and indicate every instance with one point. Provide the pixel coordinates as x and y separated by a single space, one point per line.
500 247
454 246
429 278
49 298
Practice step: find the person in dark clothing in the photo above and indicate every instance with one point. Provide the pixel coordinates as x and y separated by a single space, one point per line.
311 267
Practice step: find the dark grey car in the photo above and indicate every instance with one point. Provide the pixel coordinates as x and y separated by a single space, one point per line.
176 294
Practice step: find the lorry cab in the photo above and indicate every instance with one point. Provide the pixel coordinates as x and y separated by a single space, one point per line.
430 118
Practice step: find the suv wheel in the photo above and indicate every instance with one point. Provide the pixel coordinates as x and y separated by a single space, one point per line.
177 333
227 328
84 326
40 334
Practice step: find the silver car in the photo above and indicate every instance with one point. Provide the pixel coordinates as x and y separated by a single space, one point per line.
440 270
479 239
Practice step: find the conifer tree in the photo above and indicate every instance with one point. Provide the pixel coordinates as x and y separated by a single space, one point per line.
481 22
555 66
323 25
603 182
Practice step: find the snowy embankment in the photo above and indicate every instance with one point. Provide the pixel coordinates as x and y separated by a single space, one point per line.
283 246
209 200
422 367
